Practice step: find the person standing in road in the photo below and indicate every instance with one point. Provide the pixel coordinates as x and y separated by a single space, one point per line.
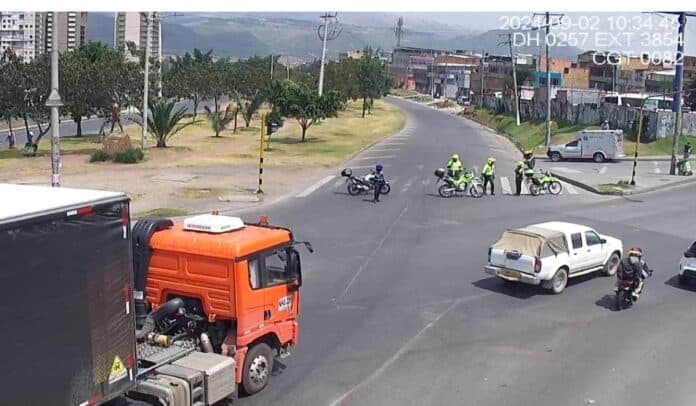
488 173
687 150
378 182
519 174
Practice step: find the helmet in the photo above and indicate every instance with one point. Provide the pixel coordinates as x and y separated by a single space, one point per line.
455 157
379 167
528 154
491 160
635 252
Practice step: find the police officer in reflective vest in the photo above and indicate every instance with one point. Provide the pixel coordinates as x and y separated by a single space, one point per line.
488 173
519 175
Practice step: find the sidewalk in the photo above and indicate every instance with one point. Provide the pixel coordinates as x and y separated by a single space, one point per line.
613 178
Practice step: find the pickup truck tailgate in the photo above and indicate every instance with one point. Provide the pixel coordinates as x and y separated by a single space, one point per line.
512 259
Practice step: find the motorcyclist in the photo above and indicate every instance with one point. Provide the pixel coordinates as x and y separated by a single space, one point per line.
455 169
633 269
378 180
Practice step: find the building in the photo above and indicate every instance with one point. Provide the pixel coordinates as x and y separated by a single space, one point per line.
555 64
602 69
660 81
540 79
30 34
630 80
132 27
18 32
576 77
410 68
452 75
351 55
71 28
497 73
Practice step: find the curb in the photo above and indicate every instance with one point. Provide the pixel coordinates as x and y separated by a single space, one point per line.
622 192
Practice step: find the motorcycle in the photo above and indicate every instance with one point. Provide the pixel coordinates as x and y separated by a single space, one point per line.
684 168
365 184
625 292
545 183
470 184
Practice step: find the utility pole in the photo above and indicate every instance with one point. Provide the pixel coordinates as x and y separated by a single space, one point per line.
271 66
159 53
399 31
54 102
146 86
514 75
678 85
325 36
547 25
483 73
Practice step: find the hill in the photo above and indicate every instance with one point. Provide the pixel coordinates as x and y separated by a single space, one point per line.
242 35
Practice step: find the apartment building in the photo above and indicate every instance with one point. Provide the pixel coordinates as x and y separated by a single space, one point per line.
71 28
132 27
29 34
21 32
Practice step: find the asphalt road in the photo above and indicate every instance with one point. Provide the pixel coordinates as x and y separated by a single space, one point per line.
396 308
68 128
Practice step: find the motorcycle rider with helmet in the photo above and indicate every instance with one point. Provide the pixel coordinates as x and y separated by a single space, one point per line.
633 269
377 181
455 169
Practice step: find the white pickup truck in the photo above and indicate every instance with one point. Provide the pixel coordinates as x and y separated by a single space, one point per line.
550 253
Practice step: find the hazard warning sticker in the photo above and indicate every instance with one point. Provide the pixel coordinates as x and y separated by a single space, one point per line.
118 371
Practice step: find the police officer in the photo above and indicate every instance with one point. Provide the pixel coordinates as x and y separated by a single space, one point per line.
378 181
488 173
687 150
519 175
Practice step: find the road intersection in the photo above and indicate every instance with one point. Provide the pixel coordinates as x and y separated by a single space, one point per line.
396 308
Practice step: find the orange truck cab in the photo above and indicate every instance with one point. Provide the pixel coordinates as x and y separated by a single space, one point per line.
235 285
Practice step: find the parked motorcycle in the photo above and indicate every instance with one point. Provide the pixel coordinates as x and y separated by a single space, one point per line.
684 168
624 292
365 184
470 184
545 183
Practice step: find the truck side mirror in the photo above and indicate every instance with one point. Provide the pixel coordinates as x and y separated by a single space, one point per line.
603 240
295 267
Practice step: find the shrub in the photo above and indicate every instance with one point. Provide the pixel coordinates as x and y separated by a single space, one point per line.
99 156
129 156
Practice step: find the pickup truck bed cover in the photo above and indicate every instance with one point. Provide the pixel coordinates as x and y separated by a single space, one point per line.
533 241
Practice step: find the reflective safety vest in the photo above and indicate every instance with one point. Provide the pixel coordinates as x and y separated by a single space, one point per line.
519 168
488 170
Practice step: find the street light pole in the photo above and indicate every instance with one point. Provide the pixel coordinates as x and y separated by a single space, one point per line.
146 85
159 53
323 53
54 102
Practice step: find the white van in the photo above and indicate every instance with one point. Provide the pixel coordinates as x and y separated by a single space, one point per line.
599 145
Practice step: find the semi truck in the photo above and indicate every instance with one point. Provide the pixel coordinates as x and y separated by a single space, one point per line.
99 311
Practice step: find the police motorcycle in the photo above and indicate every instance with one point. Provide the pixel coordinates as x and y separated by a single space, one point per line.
469 184
362 184
544 183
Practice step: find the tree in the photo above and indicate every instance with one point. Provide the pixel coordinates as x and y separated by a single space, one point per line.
373 82
187 78
691 96
36 85
220 119
251 87
164 122
304 104
12 71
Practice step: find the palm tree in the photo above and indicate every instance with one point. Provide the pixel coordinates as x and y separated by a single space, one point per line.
220 119
163 121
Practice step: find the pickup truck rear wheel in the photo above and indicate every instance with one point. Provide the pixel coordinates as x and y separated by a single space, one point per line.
555 156
258 365
598 157
612 265
559 281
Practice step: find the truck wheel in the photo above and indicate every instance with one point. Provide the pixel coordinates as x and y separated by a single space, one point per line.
556 156
258 365
559 281
683 280
598 157
612 265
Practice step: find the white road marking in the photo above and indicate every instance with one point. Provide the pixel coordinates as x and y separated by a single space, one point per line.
378 149
426 182
390 143
570 189
566 170
505 184
316 186
525 189
407 186
374 157
603 170
338 183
